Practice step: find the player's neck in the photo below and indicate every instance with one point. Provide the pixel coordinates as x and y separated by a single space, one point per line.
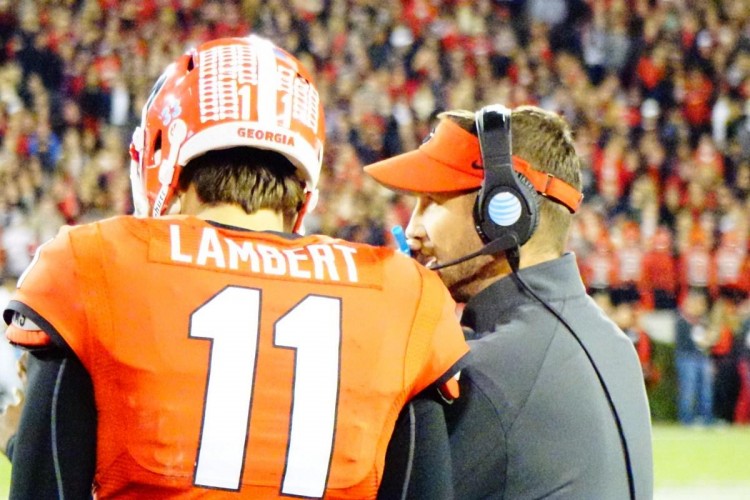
234 215
230 214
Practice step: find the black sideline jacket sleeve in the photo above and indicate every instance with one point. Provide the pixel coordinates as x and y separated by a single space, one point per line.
54 455
418 460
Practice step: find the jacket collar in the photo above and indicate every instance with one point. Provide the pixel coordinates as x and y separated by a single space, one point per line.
553 281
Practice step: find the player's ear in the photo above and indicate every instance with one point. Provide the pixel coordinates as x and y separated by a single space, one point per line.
184 201
176 205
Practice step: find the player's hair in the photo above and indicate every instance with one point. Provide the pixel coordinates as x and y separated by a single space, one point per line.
545 140
252 178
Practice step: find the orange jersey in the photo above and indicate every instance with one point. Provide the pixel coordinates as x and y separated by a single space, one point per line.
231 363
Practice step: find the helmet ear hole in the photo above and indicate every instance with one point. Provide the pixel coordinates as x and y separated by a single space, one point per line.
191 63
157 144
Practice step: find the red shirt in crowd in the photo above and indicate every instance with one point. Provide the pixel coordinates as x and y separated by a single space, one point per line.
695 268
697 103
659 268
731 265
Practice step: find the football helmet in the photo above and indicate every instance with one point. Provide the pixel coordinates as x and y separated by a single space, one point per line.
225 93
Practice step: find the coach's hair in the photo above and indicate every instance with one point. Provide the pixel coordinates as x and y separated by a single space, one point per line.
252 178
545 140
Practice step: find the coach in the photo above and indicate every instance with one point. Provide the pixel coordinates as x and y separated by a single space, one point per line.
554 403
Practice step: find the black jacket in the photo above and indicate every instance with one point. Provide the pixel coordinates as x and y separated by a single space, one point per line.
533 419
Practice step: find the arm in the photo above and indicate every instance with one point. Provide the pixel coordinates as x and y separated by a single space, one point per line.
54 451
418 462
55 448
477 442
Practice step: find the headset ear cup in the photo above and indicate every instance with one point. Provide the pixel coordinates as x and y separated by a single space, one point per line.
479 219
507 209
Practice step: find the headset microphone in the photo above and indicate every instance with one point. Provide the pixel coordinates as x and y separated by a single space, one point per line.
505 242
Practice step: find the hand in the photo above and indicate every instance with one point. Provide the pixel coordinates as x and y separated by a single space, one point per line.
9 420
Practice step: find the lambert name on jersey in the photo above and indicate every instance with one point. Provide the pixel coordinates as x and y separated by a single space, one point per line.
320 261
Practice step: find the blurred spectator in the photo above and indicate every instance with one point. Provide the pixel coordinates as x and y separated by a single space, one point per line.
694 369
671 202
694 265
742 409
10 381
600 267
731 266
626 315
19 243
725 324
628 278
660 278
696 102
550 12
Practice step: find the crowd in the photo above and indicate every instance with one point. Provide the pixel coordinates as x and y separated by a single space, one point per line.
657 91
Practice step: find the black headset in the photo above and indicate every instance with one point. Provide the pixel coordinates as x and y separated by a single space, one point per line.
506 207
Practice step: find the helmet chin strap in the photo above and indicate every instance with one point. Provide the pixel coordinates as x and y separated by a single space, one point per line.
140 201
311 200
177 133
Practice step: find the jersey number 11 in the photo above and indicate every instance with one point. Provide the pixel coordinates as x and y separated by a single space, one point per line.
231 320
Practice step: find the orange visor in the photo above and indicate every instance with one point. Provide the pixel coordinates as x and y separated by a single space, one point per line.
451 160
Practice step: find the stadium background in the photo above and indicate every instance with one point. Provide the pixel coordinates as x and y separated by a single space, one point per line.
657 92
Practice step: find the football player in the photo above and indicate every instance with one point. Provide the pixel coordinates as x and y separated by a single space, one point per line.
203 347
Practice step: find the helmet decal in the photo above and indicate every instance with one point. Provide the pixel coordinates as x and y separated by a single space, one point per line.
170 112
